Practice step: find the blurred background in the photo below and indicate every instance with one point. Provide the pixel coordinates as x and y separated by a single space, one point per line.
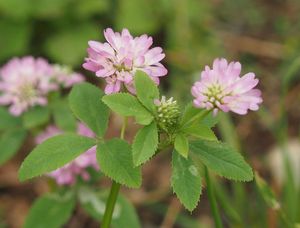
262 34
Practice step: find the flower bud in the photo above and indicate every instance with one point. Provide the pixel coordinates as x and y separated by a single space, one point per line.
167 113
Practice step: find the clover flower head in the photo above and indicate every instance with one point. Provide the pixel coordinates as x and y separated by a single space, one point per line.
222 88
26 82
167 113
67 175
118 59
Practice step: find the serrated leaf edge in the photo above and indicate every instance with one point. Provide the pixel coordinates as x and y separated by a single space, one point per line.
201 188
155 149
122 182
230 178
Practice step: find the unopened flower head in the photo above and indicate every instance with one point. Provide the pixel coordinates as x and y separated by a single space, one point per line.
167 113
118 59
25 82
67 175
222 88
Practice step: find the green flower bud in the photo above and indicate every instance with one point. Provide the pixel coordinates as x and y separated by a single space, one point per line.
167 114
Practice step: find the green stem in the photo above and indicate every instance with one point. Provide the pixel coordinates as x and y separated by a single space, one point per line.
110 205
114 191
123 127
212 200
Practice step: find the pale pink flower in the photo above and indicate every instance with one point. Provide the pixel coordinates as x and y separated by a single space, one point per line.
222 88
67 175
26 82
121 56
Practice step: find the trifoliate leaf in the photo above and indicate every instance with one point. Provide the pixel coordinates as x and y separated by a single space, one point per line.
145 144
181 144
127 105
146 89
54 153
186 181
115 160
85 102
222 159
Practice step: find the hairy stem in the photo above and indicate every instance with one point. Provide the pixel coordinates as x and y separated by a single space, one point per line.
212 200
114 191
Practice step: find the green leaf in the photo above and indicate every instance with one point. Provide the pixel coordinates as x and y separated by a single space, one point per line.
222 159
128 105
10 142
63 116
186 181
85 102
7 120
200 131
146 89
50 211
145 144
36 116
115 159
266 193
54 153
181 145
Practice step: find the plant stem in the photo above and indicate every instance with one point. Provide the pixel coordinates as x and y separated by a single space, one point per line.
212 200
110 205
123 128
114 191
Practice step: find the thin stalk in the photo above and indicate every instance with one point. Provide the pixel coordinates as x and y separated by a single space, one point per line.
212 200
114 191
110 204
